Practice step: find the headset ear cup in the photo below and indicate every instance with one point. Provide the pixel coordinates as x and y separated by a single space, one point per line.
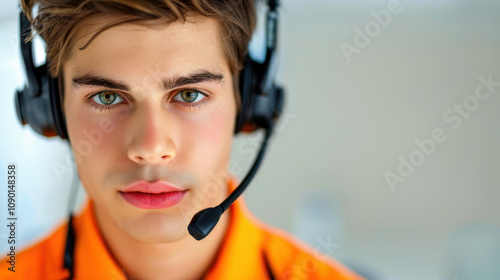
42 110
258 109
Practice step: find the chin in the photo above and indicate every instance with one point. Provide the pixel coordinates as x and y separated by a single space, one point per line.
157 228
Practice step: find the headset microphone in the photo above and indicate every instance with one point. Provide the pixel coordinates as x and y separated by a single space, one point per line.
265 104
205 220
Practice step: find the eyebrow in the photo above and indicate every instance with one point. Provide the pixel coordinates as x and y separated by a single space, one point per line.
167 83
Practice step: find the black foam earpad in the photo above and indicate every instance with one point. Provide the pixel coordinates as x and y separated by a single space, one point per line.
247 84
59 122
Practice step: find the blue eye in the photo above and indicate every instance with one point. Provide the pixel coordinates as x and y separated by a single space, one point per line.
107 98
189 96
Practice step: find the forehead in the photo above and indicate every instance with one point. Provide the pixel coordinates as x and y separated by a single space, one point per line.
135 52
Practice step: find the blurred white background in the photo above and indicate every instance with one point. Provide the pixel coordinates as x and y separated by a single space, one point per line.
349 120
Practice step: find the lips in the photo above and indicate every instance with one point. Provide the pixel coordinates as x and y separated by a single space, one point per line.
152 195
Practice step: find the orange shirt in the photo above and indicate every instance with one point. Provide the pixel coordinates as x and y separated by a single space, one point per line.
251 250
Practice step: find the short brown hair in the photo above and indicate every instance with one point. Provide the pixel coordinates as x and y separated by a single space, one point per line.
58 22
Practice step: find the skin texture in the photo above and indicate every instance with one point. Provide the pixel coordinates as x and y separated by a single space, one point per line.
150 134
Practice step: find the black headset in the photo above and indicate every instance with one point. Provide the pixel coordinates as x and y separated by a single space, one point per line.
39 105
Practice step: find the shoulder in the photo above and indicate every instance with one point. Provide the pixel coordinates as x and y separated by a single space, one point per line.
38 261
254 250
289 258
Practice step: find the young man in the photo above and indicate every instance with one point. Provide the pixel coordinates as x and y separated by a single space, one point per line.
150 96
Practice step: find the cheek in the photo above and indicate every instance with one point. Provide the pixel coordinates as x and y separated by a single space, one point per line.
209 141
90 134
91 140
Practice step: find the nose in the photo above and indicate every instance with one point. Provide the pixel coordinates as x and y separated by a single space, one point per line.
151 142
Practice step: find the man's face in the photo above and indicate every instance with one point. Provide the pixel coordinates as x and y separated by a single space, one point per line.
151 104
